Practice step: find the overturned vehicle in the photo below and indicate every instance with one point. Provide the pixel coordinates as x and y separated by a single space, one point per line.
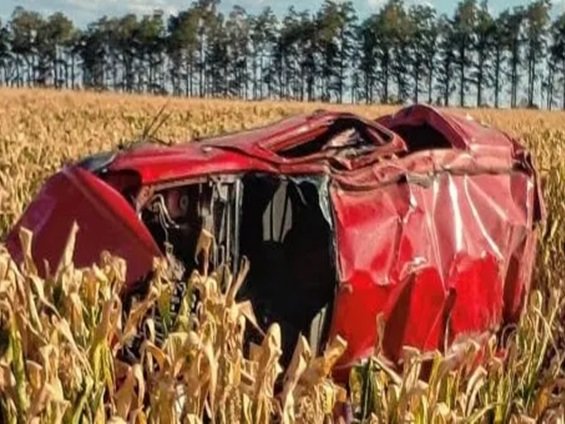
424 217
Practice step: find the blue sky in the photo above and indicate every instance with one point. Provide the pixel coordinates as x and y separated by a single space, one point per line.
84 11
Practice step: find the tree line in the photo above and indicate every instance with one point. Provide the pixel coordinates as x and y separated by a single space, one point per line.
401 53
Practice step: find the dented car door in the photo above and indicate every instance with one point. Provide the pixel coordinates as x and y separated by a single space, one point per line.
439 242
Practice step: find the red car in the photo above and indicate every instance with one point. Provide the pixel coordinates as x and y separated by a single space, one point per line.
424 216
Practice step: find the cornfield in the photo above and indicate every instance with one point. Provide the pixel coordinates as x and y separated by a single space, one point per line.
60 336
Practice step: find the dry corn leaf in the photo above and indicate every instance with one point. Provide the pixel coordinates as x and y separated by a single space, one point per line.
26 239
66 261
297 366
320 368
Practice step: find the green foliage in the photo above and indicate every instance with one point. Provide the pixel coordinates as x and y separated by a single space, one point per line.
400 53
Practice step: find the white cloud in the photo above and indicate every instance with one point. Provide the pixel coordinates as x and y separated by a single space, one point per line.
120 6
375 4
559 6
85 11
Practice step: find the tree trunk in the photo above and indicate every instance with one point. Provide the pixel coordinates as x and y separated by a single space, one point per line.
187 78
261 78
386 77
531 76
255 88
549 102
72 71
430 84
497 61
480 81
416 84
191 75
447 86
462 76
514 77
201 70
563 79
55 72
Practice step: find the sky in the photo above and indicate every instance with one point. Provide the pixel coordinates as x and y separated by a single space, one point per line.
85 11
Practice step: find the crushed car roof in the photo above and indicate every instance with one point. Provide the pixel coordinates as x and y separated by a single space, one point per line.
262 149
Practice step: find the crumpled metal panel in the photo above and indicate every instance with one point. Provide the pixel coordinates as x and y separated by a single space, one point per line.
441 243
106 222
256 150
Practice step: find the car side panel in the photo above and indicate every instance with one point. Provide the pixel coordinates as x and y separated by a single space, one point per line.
448 256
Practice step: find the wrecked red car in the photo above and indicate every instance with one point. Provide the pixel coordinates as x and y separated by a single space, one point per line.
424 216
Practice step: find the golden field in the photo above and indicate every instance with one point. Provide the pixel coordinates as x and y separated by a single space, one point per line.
58 338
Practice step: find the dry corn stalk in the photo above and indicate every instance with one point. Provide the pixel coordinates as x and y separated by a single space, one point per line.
61 336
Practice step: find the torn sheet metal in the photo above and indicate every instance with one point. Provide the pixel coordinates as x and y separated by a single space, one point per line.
433 215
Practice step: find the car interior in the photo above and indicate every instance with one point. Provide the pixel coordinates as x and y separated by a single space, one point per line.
280 224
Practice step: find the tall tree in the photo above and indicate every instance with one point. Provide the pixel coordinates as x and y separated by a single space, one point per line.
346 42
390 25
210 45
92 50
464 23
122 50
263 38
25 26
238 29
182 45
327 26
447 61
499 43
403 40
307 56
151 38
558 51
284 51
485 40
216 58
295 56
512 26
537 20
335 22
368 41
424 37
58 37
5 54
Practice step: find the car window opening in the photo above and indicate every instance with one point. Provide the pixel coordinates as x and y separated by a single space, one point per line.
422 137
279 226
344 135
289 244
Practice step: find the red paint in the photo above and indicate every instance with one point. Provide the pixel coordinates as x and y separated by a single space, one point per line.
440 240
106 222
